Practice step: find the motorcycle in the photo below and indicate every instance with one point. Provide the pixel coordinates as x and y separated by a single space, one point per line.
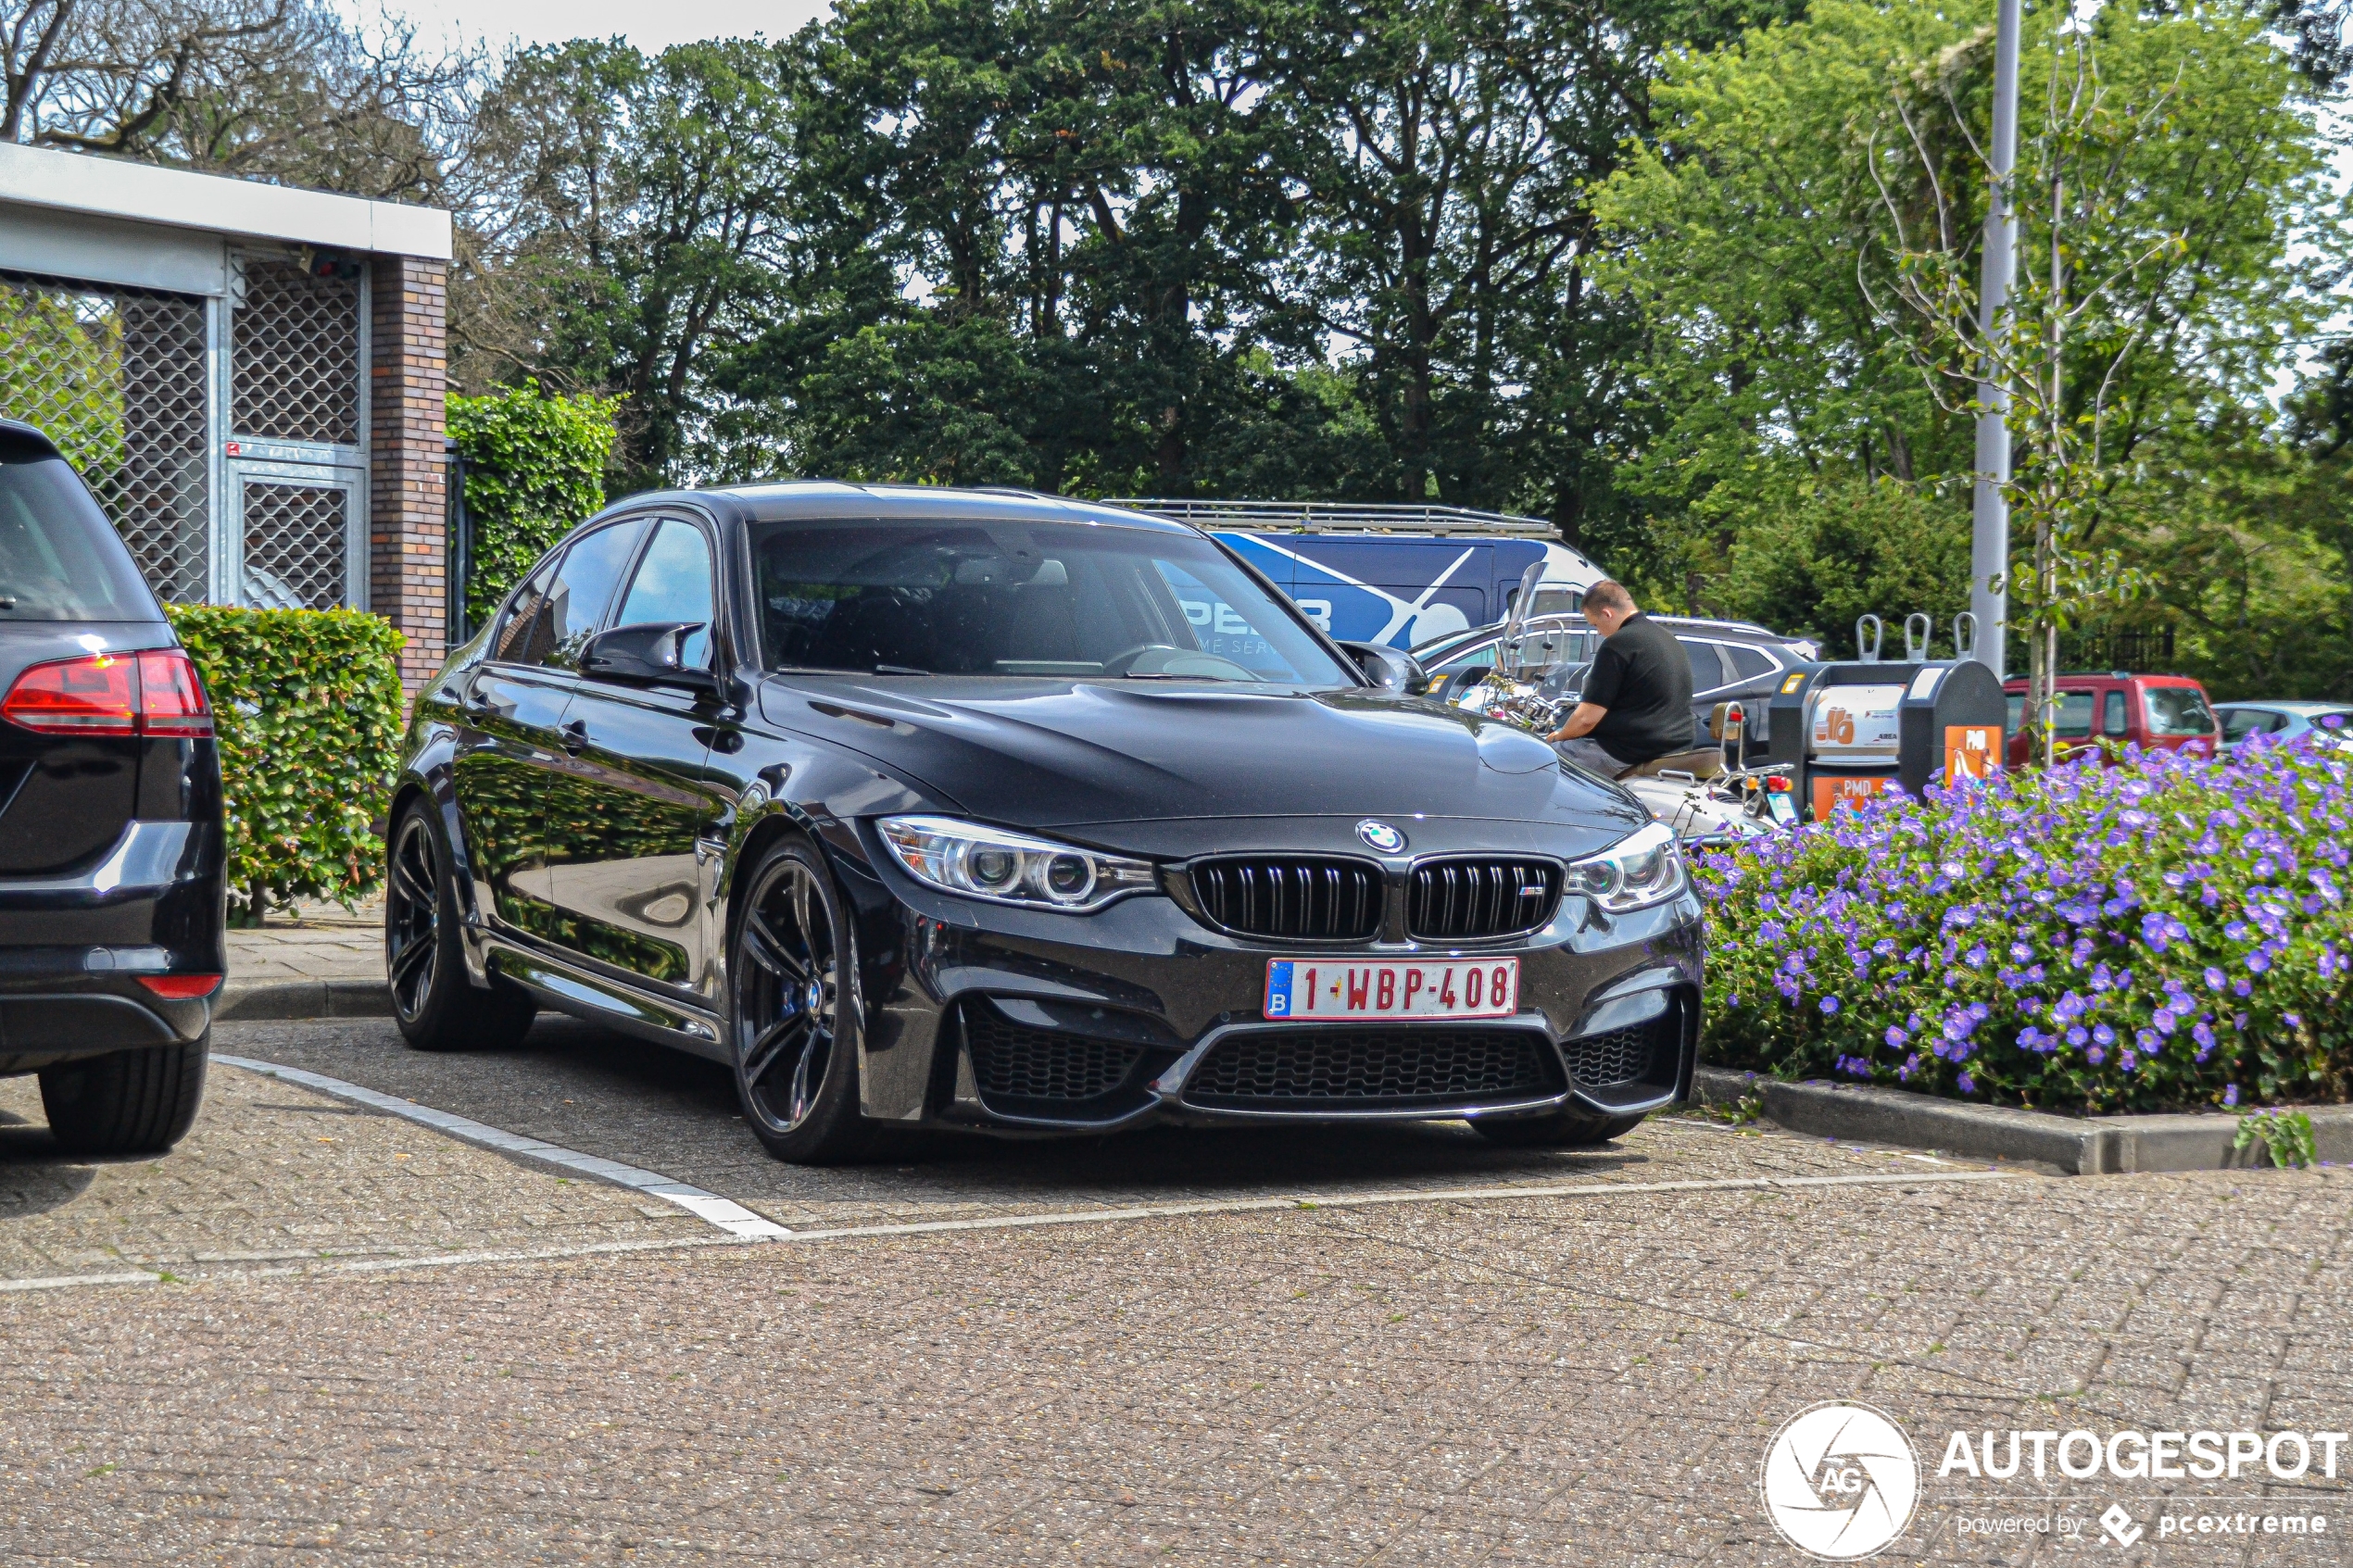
1712 799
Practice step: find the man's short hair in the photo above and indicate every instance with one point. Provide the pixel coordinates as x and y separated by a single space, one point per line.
1607 595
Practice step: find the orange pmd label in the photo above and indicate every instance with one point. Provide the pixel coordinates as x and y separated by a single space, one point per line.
1973 752
1833 791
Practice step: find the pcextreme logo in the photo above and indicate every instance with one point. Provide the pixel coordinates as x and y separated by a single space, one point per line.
1841 1481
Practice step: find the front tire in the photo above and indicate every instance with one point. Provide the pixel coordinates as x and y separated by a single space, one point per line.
1567 1128
793 1013
131 1102
436 1004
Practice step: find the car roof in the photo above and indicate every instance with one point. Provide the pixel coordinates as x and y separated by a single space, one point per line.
16 437
814 500
1683 625
2289 705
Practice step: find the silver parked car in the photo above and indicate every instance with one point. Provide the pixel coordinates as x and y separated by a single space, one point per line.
2285 721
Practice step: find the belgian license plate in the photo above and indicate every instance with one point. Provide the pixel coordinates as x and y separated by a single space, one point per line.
1314 990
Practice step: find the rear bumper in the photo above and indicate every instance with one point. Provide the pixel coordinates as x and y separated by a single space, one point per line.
74 948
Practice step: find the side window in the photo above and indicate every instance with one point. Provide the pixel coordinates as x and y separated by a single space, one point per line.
1707 665
525 619
1748 663
2074 716
2241 723
2112 714
1481 656
582 588
673 583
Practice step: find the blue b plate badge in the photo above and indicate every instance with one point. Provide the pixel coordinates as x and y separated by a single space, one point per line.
1327 990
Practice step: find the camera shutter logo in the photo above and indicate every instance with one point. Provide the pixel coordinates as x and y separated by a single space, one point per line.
1841 1481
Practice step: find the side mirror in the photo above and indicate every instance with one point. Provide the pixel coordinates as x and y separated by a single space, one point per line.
648 655
1392 670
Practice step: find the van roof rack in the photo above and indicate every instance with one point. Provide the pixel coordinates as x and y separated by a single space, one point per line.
1341 517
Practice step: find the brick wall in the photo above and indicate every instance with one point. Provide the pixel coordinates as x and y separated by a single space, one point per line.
408 499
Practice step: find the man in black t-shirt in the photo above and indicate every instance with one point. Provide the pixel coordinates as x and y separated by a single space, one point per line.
1636 704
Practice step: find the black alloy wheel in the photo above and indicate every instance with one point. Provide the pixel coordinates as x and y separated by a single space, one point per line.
436 1003
412 914
793 1015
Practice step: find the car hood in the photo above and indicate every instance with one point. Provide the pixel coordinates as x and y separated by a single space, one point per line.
1064 753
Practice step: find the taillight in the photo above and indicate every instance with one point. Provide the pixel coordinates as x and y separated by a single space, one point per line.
181 987
111 694
98 694
170 698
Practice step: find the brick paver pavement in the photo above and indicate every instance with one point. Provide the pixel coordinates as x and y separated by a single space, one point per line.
311 942
1563 1380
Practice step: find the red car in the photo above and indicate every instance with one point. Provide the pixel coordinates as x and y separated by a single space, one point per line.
2146 710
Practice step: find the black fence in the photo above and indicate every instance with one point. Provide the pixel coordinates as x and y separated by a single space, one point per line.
2146 650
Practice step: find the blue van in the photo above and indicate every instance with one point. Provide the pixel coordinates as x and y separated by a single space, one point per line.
1394 574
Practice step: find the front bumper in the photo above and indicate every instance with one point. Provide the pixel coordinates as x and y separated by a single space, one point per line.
1142 1013
72 948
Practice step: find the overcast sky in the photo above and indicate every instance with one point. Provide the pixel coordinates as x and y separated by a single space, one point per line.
652 25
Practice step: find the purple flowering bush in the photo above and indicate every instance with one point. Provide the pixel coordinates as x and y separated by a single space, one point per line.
2167 932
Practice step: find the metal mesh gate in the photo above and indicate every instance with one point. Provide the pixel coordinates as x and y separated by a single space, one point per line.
296 546
116 376
295 353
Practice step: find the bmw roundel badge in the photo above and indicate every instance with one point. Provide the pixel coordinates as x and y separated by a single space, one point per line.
1380 836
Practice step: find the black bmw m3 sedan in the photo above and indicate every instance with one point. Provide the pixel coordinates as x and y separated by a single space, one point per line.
920 807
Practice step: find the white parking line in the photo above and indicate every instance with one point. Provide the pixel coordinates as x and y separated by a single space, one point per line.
776 1233
724 1212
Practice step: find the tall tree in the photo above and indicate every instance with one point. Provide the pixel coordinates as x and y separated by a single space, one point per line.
1762 239
632 225
283 90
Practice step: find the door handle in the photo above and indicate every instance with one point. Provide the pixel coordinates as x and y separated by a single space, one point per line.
575 736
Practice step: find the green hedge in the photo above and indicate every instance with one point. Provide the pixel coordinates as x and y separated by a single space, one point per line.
535 468
309 707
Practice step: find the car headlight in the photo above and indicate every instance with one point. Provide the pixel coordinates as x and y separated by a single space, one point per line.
1010 868
1640 870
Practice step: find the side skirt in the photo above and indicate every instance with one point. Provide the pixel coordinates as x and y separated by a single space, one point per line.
569 989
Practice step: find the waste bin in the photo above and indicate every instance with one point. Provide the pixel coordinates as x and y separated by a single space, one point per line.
1852 730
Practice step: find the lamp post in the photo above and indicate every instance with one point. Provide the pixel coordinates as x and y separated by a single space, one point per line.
1990 513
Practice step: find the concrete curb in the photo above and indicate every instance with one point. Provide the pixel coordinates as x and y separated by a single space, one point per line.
246 1001
2083 1146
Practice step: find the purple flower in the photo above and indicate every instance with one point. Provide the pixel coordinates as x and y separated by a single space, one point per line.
1968 1084
2231 1094
1830 1006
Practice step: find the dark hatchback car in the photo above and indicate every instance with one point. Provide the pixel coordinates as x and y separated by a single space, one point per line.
110 826
919 807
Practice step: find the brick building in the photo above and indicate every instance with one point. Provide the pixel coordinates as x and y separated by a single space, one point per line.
250 376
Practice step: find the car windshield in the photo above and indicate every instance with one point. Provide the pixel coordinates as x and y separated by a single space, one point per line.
2177 710
1024 599
60 559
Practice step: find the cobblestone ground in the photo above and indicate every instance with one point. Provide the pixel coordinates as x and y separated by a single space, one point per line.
1576 1378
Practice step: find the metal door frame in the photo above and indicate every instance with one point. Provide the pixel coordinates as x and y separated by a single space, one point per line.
319 465
309 467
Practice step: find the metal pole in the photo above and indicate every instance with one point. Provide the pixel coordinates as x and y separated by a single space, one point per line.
1990 533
